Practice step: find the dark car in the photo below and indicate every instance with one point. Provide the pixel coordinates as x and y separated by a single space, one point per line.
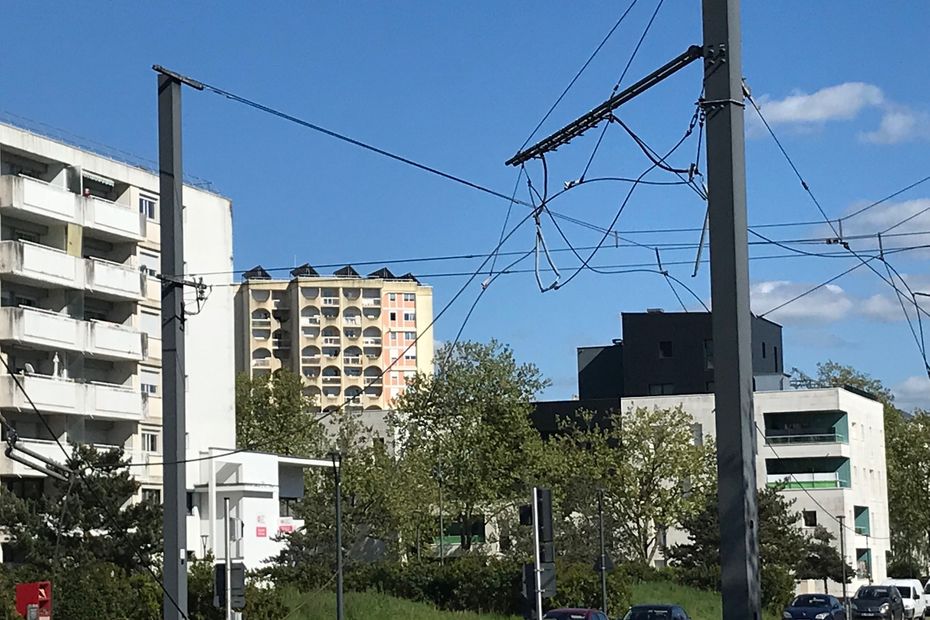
656 612
572 613
883 602
815 606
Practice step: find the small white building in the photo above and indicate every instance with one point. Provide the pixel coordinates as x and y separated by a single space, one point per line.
827 447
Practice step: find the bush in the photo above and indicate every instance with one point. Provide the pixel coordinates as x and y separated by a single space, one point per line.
578 585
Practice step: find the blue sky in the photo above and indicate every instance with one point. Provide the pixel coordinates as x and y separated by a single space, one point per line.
460 86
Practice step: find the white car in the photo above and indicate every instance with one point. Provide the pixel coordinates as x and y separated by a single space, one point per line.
927 600
912 594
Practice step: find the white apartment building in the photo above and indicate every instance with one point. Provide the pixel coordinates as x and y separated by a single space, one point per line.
827 446
80 325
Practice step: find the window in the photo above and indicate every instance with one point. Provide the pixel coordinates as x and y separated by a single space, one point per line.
190 503
25 235
410 297
665 349
809 517
697 433
152 496
149 379
775 355
392 296
393 336
287 506
708 354
149 263
148 207
661 389
410 356
149 442
392 316
763 350
150 322
410 316
410 335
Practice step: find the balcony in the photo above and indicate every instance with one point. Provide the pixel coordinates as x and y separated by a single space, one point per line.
330 301
829 437
826 480
352 321
371 302
46 447
41 329
263 362
329 379
352 360
54 395
331 340
38 200
113 280
372 342
111 341
41 265
117 221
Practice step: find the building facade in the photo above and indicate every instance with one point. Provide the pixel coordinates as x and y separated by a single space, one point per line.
354 339
826 447
80 327
664 353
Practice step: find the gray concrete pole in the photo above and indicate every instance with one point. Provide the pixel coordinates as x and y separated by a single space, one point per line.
842 520
729 267
171 181
337 473
603 561
537 561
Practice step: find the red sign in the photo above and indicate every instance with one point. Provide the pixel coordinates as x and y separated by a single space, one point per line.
261 531
286 528
37 593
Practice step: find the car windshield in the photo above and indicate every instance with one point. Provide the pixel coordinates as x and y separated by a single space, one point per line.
648 614
811 600
873 593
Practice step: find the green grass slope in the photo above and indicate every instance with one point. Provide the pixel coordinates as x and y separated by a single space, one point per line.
699 604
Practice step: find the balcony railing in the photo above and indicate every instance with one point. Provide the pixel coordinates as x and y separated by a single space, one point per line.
330 301
812 438
41 264
334 340
372 342
113 279
352 320
56 395
826 480
52 330
310 320
352 359
261 323
262 362
371 302
39 198
332 379
310 360
114 219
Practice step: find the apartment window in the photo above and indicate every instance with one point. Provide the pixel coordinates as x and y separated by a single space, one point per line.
392 296
661 389
287 506
148 207
763 350
393 336
410 297
152 496
410 335
665 349
410 357
190 503
410 316
775 355
149 442
394 375
149 263
809 517
392 316
149 379
708 354
9 298
25 488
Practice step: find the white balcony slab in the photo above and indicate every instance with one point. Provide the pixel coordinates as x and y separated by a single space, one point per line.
39 200
40 328
113 219
40 265
108 340
113 280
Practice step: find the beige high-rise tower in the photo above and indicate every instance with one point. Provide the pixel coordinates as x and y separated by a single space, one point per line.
355 339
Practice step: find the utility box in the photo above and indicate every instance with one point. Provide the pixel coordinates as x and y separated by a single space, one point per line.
237 580
34 600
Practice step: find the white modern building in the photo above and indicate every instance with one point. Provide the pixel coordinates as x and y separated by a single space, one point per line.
80 326
827 447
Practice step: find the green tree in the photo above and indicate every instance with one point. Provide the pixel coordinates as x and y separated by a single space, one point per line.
782 547
274 415
468 428
652 473
822 559
89 519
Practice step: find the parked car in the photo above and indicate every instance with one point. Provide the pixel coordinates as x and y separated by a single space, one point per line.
912 593
878 602
815 607
573 613
656 612
927 599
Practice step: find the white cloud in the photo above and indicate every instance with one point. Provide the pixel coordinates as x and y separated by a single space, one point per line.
913 392
915 215
884 308
844 102
840 102
899 124
826 304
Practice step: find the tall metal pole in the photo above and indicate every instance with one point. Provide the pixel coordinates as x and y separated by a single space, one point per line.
729 267
228 559
603 563
537 561
442 525
337 476
842 521
174 426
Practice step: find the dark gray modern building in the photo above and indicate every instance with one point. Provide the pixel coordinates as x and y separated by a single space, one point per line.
665 353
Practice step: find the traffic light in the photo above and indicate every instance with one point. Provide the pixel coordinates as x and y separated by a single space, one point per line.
544 511
546 550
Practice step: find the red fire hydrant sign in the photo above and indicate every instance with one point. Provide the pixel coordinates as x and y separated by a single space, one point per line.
36 595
